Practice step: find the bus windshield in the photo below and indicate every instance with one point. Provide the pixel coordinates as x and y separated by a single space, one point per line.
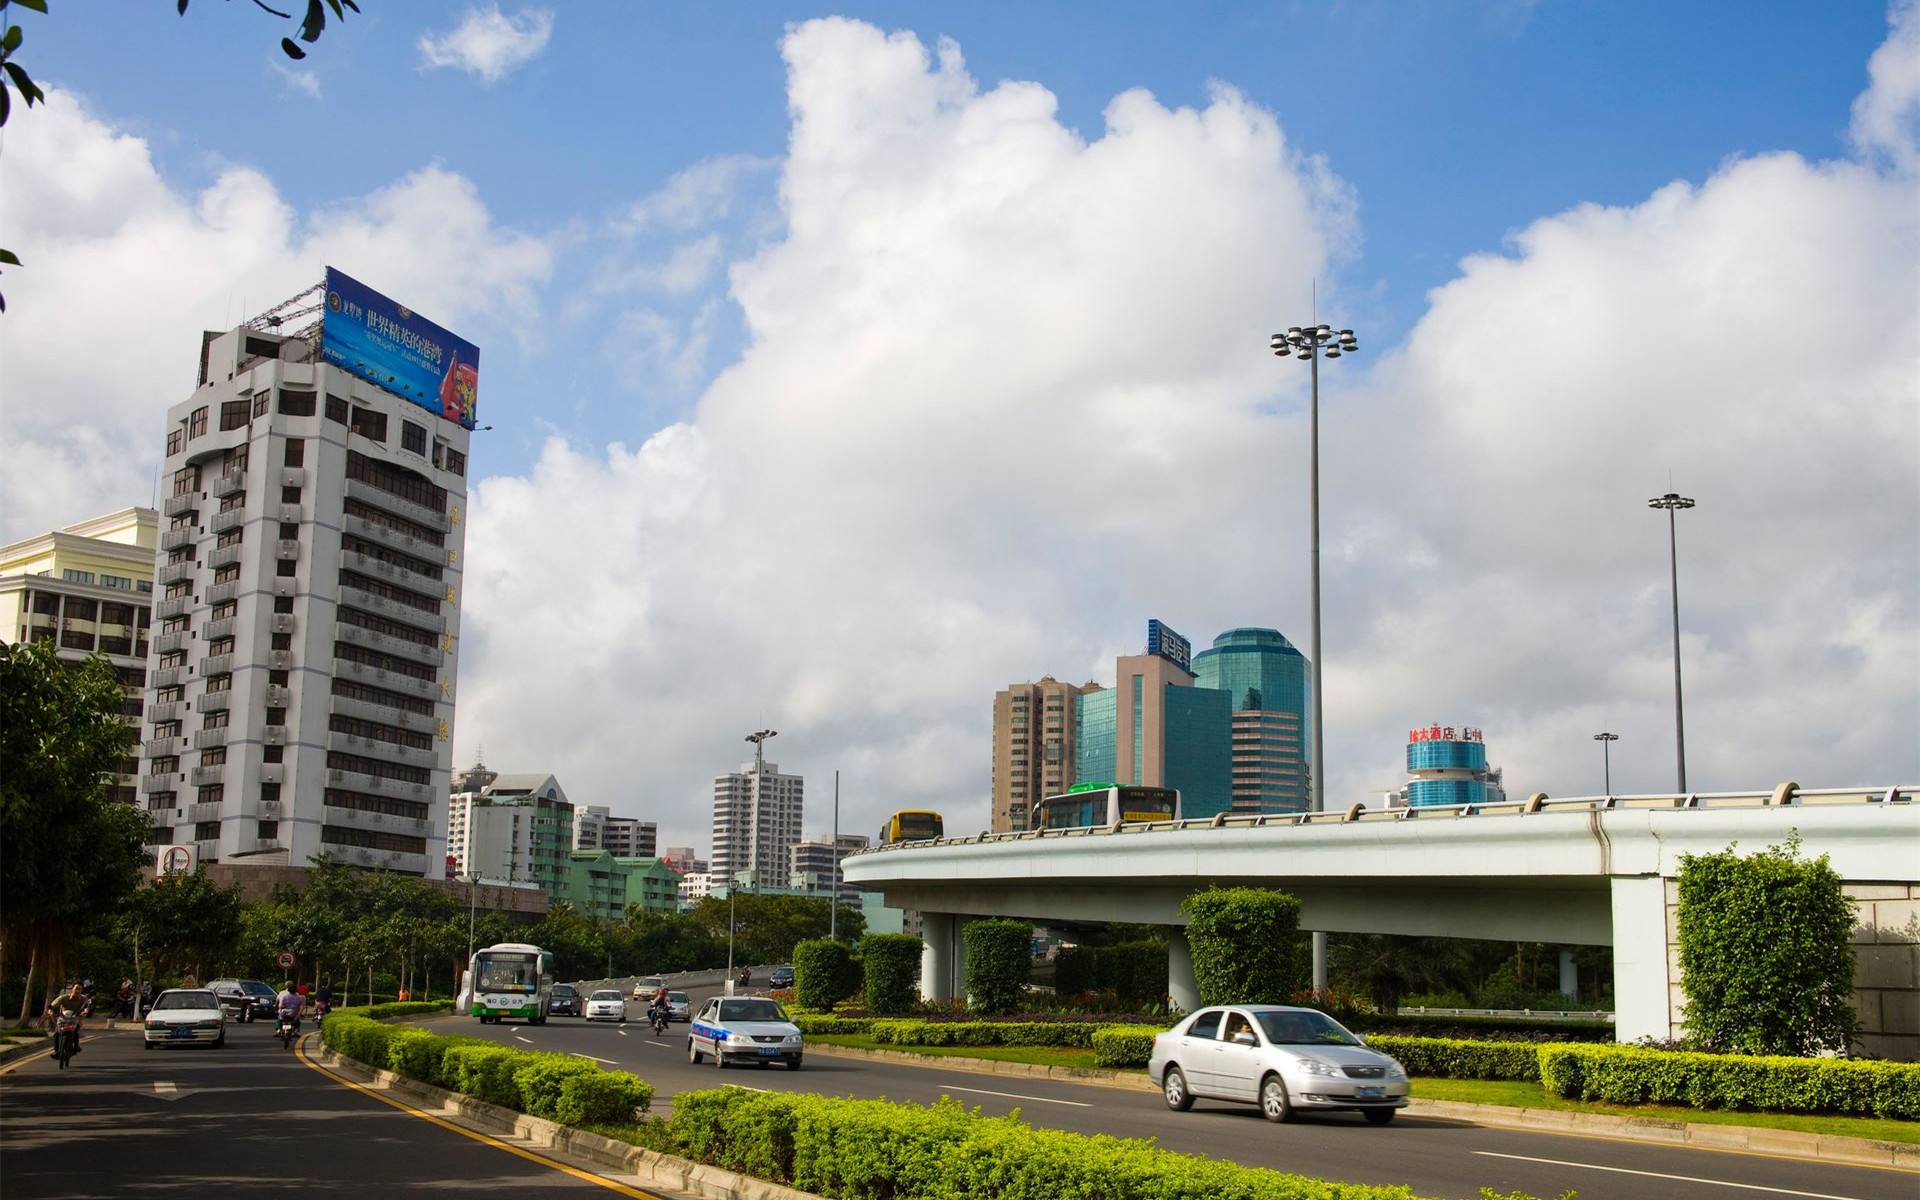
509 973
917 826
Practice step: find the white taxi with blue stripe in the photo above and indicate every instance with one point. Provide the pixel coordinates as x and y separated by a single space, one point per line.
735 1029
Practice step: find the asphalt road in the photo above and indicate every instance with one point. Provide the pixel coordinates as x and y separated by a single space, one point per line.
1436 1158
249 1120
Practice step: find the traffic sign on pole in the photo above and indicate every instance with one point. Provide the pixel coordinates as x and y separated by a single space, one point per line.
285 960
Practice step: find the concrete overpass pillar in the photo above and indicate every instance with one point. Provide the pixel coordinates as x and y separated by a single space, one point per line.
1569 975
943 955
1641 980
1181 987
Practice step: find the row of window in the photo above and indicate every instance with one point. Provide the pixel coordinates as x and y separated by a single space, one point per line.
385 805
387 520
379 732
348 652
395 629
372 839
380 587
373 695
341 761
396 480
374 550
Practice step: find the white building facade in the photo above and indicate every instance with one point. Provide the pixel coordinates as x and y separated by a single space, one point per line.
300 701
755 819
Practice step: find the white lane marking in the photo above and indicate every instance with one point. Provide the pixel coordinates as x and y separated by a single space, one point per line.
518 1038
1014 1096
1751 1187
623 1033
163 1087
608 1061
662 1045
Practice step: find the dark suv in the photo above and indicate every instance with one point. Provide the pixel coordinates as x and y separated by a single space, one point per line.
780 977
245 999
565 1001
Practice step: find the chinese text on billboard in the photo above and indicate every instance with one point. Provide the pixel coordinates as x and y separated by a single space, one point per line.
393 347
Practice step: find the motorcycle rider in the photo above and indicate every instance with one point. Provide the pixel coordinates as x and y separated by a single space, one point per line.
69 1002
661 1008
289 1005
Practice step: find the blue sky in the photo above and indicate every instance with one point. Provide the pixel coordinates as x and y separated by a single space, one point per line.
837 384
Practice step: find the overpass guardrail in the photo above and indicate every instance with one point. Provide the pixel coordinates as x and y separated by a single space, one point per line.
1784 795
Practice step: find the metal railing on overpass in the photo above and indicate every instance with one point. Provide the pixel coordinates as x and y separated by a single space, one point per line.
1786 794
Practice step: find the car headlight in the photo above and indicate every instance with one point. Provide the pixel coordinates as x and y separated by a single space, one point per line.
793 1039
215 1024
1395 1070
1313 1066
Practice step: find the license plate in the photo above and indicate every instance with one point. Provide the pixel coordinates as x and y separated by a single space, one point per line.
769 1052
1370 1093
179 1031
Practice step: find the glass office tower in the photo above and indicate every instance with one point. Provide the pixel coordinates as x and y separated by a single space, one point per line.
1266 681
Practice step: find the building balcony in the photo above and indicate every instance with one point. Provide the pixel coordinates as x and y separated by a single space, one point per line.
206 852
278 696
217 664
181 505
366 601
400 576
171 606
207 739
163 747
225 484
393 538
294 477
274 735
418 722
289 514
391 680
207 777
171 710
390 751
379 785
176 572
158 783
287 549
420 514
225 519
224 556
355 818
280 622
167 643
388 644
214 701
223 628
167 677
221 593
280 660
272 773
174 539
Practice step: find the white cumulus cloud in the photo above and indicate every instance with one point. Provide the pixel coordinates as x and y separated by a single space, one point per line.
488 42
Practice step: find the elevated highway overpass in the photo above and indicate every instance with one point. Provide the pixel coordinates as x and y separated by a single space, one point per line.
1594 871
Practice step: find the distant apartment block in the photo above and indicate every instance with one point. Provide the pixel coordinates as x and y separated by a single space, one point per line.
1033 747
814 866
519 829
755 819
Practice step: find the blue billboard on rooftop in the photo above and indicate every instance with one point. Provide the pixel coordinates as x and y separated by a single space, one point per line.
393 347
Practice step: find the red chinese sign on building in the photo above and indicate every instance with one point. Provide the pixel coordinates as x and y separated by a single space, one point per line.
1444 733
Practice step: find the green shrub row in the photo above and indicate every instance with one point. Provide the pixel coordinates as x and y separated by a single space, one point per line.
559 1087
402 1008
999 959
1632 1075
829 1024
872 1149
1460 1058
982 1033
1246 945
1124 1045
1135 972
824 973
890 963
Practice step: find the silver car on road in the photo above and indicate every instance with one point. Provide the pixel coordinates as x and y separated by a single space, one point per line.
1286 1060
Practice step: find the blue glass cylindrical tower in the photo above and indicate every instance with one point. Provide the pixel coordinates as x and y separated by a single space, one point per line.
1447 765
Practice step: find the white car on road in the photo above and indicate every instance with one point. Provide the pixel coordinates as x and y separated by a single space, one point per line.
735 1030
186 1017
1286 1060
606 1004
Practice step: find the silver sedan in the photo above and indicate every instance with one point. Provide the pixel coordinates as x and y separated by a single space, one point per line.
1286 1060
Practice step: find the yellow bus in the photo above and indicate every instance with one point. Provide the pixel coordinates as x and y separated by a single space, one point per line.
911 825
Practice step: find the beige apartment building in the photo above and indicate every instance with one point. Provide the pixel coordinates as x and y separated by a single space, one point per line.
1033 747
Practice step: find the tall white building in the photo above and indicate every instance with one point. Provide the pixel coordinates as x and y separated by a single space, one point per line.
630 837
514 829
779 802
301 695
589 826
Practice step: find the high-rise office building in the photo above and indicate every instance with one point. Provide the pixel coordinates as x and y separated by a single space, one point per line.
1266 680
1155 727
1033 747
629 837
88 589
1448 765
301 697
739 856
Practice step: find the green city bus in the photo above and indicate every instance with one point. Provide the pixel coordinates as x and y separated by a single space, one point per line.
512 979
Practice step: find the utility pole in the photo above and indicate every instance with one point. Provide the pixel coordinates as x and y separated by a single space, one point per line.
833 893
1673 502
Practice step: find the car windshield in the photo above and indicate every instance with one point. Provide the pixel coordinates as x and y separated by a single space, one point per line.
253 987
751 1010
187 1000
1304 1029
677 997
651 983
565 989
605 995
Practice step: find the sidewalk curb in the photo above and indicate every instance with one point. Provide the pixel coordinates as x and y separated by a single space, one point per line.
1751 1139
575 1147
9 1053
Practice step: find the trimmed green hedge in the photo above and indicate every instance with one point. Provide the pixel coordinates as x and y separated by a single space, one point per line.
891 965
827 1023
1459 1058
1135 972
402 1008
866 1149
1632 1075
982 1033
1124 1045
559 1087
824 973
999 959
1245 944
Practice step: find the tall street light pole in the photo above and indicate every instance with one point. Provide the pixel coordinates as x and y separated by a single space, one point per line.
1606 741
1673 502
1310 342
833 895
759 740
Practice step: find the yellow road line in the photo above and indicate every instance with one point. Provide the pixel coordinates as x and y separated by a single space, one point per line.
37 1055
300 1051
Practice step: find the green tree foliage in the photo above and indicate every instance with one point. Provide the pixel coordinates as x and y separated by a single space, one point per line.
999 959
770 926
658 943
824 974
189 924
1386 968
890 963
1245 944
1765 958
1135 972
66 848
578 946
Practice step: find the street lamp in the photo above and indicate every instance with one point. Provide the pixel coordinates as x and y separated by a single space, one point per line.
1311 342
1673 502
1606 741
759 739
